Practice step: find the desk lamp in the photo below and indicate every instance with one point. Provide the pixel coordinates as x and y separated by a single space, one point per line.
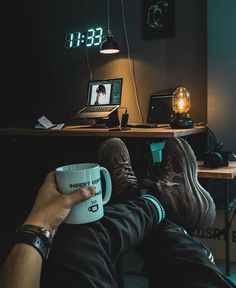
181 106
109 46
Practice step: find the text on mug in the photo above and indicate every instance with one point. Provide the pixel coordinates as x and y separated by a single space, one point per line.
85 184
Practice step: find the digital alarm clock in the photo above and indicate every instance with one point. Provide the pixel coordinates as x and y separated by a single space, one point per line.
92 37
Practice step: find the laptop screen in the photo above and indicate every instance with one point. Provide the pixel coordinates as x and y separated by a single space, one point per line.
104 92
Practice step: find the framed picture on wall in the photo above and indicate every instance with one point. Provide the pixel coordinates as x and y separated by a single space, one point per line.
158 18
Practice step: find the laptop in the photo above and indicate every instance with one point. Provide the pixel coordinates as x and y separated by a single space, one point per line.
160 112
103 98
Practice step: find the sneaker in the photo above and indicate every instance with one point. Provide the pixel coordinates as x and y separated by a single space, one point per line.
185 201
113 155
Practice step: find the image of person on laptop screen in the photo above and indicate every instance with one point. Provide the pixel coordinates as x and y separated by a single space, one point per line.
102 95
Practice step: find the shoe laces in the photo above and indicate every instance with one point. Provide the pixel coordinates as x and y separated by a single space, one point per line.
167 182
125 176
167 173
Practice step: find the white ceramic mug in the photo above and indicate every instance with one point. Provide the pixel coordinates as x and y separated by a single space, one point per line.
69 178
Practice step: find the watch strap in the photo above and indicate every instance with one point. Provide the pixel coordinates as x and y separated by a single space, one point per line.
42 232
33 240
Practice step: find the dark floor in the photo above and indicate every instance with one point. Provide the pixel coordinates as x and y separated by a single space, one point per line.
132 263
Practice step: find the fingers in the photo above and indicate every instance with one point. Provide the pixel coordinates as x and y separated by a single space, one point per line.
77 196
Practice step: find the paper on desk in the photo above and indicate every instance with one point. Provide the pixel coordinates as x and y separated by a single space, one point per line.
58 126
44 123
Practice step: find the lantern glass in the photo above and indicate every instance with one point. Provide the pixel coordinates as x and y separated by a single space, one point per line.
181 100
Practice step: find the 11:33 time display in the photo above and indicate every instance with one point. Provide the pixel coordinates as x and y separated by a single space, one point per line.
93 37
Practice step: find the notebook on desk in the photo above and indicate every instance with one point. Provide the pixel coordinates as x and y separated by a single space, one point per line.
103 98
160 112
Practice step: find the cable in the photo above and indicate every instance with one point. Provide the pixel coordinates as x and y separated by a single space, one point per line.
108 14
234 155
218 145
86 50
88 64
124 107
131 63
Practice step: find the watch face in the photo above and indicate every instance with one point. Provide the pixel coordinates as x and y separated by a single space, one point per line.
46 233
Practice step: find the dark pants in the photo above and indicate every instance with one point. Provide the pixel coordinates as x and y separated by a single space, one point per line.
85 255
173 258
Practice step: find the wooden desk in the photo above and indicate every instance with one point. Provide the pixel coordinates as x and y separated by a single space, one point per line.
105 132
225 173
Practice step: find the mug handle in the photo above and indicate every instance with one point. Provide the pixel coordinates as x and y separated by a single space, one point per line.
108 185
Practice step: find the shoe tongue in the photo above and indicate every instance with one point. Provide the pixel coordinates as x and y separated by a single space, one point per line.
121 157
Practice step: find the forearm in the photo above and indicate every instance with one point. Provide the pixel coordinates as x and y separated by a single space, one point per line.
22 268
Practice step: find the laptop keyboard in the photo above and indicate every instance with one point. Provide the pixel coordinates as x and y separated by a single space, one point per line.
98 109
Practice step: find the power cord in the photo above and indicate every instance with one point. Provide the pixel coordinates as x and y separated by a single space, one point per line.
88 63
218 145
131 63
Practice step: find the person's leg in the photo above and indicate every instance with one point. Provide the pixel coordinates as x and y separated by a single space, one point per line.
172 258
180 260
169 250
186 202
85 255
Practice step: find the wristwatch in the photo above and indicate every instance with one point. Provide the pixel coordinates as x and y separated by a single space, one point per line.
38 237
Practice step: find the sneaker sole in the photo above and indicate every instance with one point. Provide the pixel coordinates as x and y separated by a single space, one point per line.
204 201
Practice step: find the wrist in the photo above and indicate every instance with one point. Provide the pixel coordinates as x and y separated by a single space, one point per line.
40 223
38 237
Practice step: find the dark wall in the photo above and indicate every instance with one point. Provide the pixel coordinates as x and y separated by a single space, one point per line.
222 71
52 81
221 78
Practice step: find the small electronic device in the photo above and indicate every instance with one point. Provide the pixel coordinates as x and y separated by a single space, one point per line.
124 120
103 98
160 112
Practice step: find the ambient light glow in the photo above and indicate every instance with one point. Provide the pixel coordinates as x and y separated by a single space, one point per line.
93 37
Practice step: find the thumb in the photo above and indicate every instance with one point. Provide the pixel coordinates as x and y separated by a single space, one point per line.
81 194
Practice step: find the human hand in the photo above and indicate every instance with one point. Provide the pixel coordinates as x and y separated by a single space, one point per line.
51 207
